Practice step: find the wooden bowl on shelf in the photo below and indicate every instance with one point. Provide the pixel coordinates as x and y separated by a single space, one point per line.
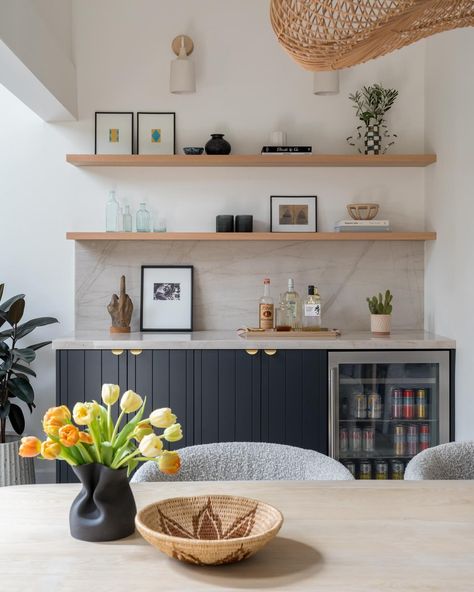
362 211
209 529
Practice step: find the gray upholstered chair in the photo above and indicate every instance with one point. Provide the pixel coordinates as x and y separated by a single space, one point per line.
447 461
248 461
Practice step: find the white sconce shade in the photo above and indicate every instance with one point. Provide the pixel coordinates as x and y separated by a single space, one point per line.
182 77
326 83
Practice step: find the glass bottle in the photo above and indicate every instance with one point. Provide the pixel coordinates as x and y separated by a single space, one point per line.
265 307
293 302
143 219
312 309
283 315
127 220
112 213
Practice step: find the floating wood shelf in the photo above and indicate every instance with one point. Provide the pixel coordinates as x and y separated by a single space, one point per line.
251 236
253 160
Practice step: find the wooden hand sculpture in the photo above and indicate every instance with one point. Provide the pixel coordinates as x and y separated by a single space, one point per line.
120 309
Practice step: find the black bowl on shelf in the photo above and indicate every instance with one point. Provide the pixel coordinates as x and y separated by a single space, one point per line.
193 150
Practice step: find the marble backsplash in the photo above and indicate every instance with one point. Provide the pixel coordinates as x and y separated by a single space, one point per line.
228 278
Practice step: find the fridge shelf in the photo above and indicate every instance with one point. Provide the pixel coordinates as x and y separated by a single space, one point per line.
374 456
388 420
394 381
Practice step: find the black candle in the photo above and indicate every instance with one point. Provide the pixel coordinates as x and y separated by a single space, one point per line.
244 223
225 223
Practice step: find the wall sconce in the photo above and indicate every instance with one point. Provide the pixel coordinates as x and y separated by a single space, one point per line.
326 83
182 78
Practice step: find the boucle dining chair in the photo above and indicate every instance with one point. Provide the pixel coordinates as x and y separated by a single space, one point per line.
446 461
248 461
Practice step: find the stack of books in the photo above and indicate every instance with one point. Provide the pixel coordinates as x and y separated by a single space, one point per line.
362 226
287 150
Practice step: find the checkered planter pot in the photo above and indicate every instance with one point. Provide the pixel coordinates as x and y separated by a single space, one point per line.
372 140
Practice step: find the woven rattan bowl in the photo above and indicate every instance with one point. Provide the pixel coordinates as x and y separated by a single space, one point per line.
210 529
362 211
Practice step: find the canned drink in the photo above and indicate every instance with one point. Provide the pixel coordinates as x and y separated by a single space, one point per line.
368 440
399 440
374 406
354 439
398 469
421 404
365 470
408 404
350 466
360 406
424 436
412 440
343 440
381 469
397 403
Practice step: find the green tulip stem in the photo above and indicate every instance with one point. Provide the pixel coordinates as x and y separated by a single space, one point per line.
64 455
109 421
114 433
125 459
84 453
96 441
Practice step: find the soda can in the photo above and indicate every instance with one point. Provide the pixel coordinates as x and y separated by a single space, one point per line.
398 469
343 440
421 404
399 440
381 469
360 406
368 440
365 469
412 440
354 439
374 406
350 466
397 403
408 404
424 436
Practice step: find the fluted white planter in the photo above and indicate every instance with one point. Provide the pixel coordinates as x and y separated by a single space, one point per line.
380 324
15 470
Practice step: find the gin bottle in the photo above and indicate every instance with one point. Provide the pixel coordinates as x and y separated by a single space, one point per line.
293 302
312 309
143 219
112 213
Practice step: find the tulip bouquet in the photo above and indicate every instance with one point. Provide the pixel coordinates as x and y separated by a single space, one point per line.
102 440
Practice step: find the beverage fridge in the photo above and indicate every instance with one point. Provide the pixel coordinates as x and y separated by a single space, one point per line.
385 407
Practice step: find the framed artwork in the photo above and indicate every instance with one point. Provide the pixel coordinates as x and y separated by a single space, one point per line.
156 133
293 213
113 132
166 298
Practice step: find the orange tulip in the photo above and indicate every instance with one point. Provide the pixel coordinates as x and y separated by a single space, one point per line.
50 449
169 462
85 438
68 435
30 446
54 419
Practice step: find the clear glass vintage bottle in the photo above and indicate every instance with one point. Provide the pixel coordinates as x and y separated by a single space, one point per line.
112 213
143 219
293 302
266 307
312 309
127 220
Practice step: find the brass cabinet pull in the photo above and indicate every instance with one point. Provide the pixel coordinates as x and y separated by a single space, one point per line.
270 352
252 352
117 352
136 352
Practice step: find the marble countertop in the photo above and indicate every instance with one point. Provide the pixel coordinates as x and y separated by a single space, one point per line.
362 340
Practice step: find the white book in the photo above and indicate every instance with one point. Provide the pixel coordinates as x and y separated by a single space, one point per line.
343 223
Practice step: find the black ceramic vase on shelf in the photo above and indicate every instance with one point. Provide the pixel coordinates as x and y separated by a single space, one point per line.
104 509
217 145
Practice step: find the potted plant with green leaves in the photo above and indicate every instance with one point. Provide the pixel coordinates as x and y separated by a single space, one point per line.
381 313
15 385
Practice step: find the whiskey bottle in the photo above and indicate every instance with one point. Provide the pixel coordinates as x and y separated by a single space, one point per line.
312 309
293 302
265 307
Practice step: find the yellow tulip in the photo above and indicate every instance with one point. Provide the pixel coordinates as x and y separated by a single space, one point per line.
130 402
173 433
169 462
30 446
55 418
85 413
68 435
85 438
50 449
162 418
142 429
151 446
110 393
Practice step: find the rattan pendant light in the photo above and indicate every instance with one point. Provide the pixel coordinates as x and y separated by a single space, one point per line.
334 34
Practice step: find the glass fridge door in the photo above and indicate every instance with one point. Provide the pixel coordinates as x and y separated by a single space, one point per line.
386 407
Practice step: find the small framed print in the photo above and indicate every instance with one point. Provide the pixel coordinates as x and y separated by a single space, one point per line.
156 133
293 213
113 132
166 298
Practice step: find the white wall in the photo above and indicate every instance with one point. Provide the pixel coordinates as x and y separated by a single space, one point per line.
449 286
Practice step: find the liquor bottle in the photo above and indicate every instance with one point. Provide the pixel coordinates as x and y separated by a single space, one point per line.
143 219
293 302
312 309
112 213
265 307
127 220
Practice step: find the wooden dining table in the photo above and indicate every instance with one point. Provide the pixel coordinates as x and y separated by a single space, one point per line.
336 536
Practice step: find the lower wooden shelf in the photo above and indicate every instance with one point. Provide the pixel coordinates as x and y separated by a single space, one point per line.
251 236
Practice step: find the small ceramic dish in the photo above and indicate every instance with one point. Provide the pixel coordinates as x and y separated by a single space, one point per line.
193 150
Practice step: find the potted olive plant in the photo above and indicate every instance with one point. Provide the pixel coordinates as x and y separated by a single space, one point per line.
381 310
15 373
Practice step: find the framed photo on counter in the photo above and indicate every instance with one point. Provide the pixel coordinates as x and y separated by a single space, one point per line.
293 213
166 298
156 133
113 132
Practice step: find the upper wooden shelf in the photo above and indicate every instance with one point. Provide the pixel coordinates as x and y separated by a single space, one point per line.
251 236
253 160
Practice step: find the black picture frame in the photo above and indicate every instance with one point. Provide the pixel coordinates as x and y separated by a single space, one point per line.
173 113
113 113
148 329
294 197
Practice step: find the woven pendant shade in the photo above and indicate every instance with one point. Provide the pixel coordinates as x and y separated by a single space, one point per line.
334 34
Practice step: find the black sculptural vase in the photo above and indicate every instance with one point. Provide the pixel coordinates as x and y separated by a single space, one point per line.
217 145
104 509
